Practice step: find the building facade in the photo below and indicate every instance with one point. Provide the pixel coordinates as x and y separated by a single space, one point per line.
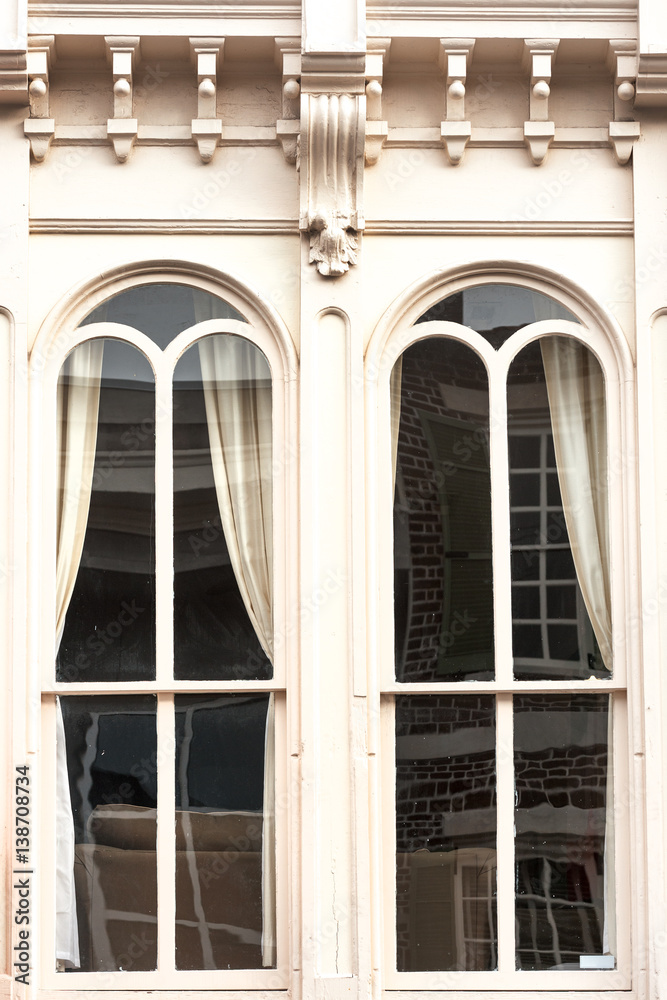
333 563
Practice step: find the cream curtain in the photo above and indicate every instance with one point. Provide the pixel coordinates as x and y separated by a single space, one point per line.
76 429
575 385
237 394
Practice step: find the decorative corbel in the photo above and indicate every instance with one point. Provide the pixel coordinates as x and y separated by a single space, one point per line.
539 132
40 127
288 58
377 130
206 127
122 128
624 130
454 60
332 158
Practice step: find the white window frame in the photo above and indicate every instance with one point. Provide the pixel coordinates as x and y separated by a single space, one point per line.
394 334
59 335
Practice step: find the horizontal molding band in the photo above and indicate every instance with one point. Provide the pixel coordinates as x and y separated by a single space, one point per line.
144 8
437 227
290 227
168 227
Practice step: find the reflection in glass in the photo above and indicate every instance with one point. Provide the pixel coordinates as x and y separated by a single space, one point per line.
445 833
564 830
109 629
443 590
162 311
111 753
222 513
496 311
553 636
220 755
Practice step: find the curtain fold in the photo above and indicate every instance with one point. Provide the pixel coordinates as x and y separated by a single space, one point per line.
575 386
395 385
76 428
237 394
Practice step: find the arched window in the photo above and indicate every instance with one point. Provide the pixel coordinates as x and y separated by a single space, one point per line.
504 692
166 700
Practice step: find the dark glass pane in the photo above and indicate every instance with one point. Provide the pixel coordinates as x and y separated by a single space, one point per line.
526 602
553 490
162 311
220 754
525 527
214 638
560 565
111 763
524 451
109 632
525 489
442 546
525 565
527 641
496 311
561 602
563 829
563 642
540 536
445 833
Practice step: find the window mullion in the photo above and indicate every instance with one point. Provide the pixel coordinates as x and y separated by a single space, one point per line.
505 831
164 534
166 838
500 498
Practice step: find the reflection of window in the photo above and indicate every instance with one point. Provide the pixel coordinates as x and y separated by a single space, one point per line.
165 776
502 613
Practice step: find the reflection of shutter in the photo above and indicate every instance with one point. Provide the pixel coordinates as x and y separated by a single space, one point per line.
432 909
452 910
460 456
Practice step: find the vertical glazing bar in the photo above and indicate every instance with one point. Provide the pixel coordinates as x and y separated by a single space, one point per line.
500 505
505 819
166 840
164 542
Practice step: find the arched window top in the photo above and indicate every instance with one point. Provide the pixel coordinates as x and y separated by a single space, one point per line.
162 310
496 311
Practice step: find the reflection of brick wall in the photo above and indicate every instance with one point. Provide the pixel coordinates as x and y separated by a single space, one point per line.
428 789
420 503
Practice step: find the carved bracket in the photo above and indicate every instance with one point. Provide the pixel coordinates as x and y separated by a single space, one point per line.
332 151
539 132
623 136
206 127
288 57
377 130
624 130
40 127
122 128
455 58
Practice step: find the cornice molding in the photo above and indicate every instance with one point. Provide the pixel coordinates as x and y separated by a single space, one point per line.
167 8
651 83
13 77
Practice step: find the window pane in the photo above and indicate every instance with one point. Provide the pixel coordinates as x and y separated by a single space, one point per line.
221 746
162 311
563 642
445 833
222 513
564 830
442 516
111 763
109 631
496 311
